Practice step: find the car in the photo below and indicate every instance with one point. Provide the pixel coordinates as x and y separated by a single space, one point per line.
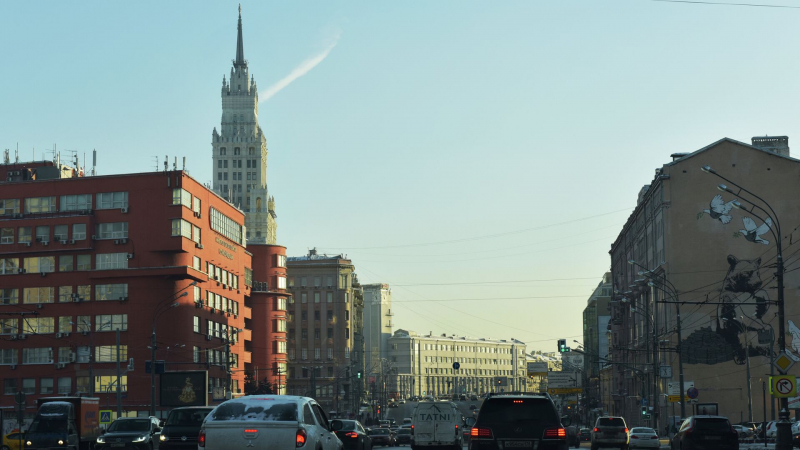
403 436
384 423
181 428
381 436
352 434
471 407
436 424
473 398
585 435
392 404
707 432
573 440
268 422
795 440
643 437
522 420
772 430
744 432
129 433
610 431
402 401
14 440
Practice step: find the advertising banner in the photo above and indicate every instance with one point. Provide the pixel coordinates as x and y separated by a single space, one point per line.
188 388
537 369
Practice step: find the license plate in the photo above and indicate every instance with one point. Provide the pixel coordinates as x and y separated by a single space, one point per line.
713 438
118 445
518 444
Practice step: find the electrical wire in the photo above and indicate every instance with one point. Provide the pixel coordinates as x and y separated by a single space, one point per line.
699 2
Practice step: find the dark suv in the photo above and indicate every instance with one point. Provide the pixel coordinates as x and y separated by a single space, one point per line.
517 420
182 427
706 432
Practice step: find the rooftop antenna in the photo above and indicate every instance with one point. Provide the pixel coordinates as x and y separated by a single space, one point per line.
166 162
184 164
175 164
155 159
94 162
6 157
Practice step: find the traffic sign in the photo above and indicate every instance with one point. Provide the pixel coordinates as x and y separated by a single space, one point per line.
674 398
646 417
784 386
692 392
783 362
456 365
559 391
105 416
19 397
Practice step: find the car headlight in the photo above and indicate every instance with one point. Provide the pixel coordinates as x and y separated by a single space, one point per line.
101 440
29 443
140 438
163 438
60 442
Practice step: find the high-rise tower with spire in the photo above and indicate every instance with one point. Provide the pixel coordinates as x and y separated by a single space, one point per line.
240 151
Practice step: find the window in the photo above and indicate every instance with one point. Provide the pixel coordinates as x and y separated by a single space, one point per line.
9 385
41 264
111 322
7 236
8 356
9 206
316 297
9 266
111 291
65 324
9 296
343 281
181 227
42 355
65 263
346 297
181 197
35 205
316 334
304 354
108 261
108 353
112 200
330 333
281 346
281 325
316 315
43 233
303 282
330 281
108 383
196 205
196 264
196 354
9 326
303 297
84 262
347 333
38 325
281 304
29 385
196 324
64 385
81 384
38 295
115 230
196 234
330 315
347 352
45 385
61 232
226 226
281 282
304 334
24 235
330 356
316 353
80 202
329 296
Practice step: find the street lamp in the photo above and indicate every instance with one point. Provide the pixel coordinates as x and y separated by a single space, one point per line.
157 311
784 438
743 329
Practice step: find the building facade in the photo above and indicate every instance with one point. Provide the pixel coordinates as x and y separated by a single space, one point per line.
423 364
82 258
596 318
239 151
377 324
686 247
326 302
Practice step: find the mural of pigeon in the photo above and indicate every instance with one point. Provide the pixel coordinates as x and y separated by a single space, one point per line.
795 345
753 233
719 209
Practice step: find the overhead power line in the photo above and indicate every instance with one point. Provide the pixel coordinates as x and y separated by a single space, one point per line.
496 282
755 5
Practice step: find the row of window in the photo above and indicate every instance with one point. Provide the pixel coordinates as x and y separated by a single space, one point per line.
63 324
215 329
236 163
304 332
214 357
223 276
112 230
62 385
304 315
45 355
317 353
237 176
79 202
227 227
343 278
485 372
181 227
184 197
466 348
66 294
66 263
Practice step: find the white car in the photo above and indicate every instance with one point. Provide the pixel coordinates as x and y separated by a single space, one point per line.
642 437
268 422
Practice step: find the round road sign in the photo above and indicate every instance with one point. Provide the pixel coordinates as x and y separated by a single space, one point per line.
19 397
692 392
456 365
784 387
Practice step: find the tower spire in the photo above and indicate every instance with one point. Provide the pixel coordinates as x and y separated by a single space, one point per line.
240 61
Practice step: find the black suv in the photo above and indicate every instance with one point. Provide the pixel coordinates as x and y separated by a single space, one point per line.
706 432
182 427
518 420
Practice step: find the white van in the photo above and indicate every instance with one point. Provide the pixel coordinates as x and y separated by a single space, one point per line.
436 424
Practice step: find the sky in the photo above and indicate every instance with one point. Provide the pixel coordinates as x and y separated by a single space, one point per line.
480 157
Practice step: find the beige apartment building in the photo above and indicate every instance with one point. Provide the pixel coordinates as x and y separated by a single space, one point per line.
423 364
324 350
717 263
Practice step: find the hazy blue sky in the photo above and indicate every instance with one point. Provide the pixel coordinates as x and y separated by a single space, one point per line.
422 122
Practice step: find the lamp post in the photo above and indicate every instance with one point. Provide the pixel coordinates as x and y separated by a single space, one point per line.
784 432
157 311
743 328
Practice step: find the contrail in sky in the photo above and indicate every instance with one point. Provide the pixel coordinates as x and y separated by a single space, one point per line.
300 70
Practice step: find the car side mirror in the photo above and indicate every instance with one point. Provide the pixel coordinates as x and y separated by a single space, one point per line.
336 425
566 421
469 421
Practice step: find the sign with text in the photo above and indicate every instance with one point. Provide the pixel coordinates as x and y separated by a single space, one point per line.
563 380
189 388
537 369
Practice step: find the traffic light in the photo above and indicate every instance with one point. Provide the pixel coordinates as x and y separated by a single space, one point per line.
499 382
644 410
562 346
359 374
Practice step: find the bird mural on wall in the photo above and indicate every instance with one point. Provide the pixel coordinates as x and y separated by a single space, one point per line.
795 344
753 233
718 210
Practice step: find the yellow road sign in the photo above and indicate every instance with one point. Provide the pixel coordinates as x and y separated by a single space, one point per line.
564 391
784 386
783 362
674 398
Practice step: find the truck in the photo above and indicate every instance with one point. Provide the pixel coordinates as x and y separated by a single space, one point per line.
65 422
436 424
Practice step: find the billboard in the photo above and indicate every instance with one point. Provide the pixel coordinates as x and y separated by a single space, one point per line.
189 388
537 369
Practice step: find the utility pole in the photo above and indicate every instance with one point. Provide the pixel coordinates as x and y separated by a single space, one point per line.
229 383
119 378
153 371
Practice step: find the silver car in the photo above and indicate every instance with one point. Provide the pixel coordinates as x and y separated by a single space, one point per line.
610 431
268 422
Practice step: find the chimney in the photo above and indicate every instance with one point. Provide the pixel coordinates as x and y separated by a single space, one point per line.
774 144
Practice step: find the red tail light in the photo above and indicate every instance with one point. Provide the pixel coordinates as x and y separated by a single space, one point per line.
625 430
555 433
412 430
300 438
456 430
633 436
351 434
596 430
201 439
481 433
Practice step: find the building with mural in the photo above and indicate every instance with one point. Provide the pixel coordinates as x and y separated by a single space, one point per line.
687 245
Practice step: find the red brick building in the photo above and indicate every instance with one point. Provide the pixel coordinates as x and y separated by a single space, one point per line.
82 257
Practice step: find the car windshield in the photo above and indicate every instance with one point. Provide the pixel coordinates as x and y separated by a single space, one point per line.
610 422
49 425
130 425
348 425
715 425
643 430
187 417
266 410
378 431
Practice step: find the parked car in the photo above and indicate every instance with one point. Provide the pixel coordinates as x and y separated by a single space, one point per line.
273 422
352 434
643 437
130 433
772 430
707 432
741 431
381 436
610 432
14 440
182 427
